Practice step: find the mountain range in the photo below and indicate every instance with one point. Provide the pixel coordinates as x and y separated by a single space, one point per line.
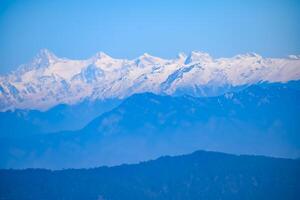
262 119
60 113
201 175
48 80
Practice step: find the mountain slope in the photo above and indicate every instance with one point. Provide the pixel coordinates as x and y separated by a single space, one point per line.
261 119
201 175
59 118
49 81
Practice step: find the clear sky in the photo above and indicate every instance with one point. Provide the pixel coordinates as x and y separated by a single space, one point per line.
78 29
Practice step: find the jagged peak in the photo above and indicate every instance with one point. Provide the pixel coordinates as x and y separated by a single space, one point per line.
41 60
199 53
294 57
146 57
181 55
196 56
45 54
101 55
248 55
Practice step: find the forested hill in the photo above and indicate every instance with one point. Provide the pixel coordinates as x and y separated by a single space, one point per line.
201 175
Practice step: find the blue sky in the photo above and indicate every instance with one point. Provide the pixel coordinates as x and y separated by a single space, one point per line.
78 29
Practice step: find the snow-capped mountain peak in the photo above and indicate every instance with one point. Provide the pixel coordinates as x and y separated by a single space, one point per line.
198 56
181 55
45 55
49 80
296 57
101 55
251 55
147 58
43 59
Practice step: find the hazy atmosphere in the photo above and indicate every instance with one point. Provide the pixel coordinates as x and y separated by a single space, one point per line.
152 100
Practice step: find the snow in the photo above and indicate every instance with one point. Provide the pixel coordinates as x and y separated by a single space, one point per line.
49 80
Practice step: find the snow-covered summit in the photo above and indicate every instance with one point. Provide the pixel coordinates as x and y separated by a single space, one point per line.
101 56
49 80
198 56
